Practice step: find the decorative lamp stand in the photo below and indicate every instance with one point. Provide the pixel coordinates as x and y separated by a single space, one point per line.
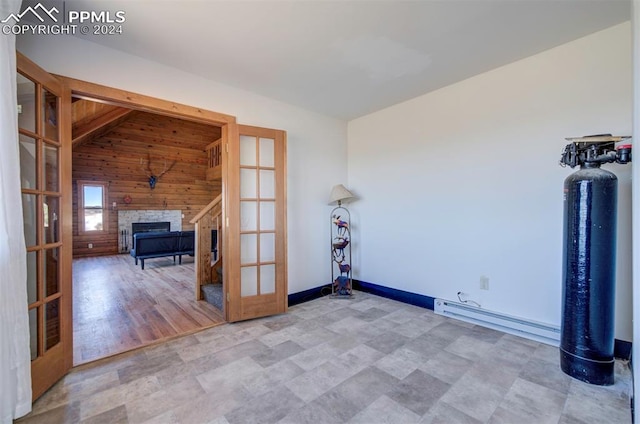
341 276
341 252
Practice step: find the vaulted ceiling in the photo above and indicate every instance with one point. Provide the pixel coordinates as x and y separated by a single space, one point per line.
346 58
91 120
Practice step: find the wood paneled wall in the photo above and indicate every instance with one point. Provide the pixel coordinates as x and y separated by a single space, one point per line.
119 158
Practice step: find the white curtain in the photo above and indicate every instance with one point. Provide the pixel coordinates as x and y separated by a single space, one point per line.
635 27
15 358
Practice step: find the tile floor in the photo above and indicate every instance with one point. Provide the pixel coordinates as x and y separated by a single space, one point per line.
362 360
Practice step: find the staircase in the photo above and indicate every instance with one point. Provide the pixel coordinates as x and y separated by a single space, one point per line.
208 269
213 294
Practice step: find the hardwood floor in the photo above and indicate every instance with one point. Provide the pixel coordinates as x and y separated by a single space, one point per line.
118 307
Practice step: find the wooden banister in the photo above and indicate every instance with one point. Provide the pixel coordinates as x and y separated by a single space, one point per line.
207 209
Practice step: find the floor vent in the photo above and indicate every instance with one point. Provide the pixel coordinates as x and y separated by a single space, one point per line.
537 331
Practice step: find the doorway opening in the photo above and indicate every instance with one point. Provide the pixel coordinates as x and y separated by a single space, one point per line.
121 303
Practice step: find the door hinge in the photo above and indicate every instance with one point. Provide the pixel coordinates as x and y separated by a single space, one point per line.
227 222
226 147
228 297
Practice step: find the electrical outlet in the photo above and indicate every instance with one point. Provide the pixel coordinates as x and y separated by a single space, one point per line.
90 245
484 283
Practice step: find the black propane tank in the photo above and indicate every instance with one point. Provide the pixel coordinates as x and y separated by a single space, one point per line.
589 259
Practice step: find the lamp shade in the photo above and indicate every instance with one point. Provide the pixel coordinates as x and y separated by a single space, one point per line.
339 193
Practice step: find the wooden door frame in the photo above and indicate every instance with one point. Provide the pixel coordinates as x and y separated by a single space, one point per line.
117 97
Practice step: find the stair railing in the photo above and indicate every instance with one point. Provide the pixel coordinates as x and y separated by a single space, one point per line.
207 219
214 160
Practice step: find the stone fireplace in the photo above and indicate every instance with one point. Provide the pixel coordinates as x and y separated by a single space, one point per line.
128 217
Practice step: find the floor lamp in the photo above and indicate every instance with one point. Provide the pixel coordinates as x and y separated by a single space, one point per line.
340 218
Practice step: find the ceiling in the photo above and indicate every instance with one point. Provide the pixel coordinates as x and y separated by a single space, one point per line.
347 58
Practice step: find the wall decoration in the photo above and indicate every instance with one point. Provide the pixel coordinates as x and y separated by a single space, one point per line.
153 178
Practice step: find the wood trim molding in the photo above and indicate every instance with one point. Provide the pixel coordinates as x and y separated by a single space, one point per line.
123 98
34 72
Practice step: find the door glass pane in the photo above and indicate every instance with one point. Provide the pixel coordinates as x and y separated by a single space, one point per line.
267 279
248 216
266 152
50 115
248 249
248 281
52 324
247 150
27 162
267 247
51 212
50 171
32 277
248 183
26 103
51 274
30 220
267 216
33 332
267 184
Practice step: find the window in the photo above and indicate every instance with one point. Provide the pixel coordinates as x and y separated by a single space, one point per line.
92 211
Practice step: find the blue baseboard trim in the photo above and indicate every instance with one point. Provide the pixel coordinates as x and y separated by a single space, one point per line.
621 350
309 294
395 294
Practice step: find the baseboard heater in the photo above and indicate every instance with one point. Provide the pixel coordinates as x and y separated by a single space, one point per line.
537 331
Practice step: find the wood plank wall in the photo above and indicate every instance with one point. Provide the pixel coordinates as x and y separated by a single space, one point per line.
115 157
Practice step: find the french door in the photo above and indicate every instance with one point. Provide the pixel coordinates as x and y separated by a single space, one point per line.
45 174
254 214
255 209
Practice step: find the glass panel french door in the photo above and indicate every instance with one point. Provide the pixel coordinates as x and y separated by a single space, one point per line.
44 145
256 211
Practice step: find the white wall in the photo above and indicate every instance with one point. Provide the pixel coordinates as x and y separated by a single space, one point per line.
464 182
316 144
